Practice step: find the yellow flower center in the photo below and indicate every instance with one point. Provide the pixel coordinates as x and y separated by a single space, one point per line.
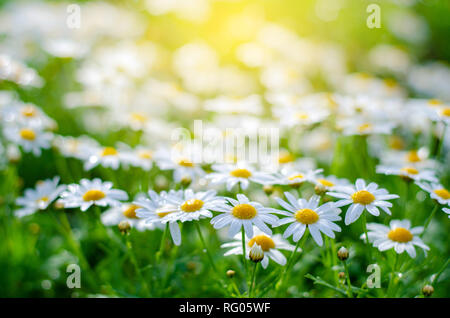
285 158
410 170
192 205
434 102
443 193
364 127
162 214
109 151
396 142
412 156
93 195
295 176
306 216
145 154
390 83
264 241
363 197
302 116
28 134
130 211
43 199
325 182
400 235
29 111
139 117
244 211
185 163
241 173
446 112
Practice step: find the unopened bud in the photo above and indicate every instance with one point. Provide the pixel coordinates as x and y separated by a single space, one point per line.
256 253
427 290
186 181
342 254
13 154
59 204
268 189
320 189
124 227
341 275
231 273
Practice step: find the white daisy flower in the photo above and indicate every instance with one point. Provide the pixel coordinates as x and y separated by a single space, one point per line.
244 213
39 198
108 157
361 126
362 197
27 114
92 192
141 157
30 139
447 210
304 116
290 176
155 210
330 182
182 166
240 173
308 214
416 158
437 191
74 147
193 206
408 172
126 212
398 235
269 244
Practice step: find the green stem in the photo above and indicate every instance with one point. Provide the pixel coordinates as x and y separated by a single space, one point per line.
349 284
250 293
244 253
290 261
205 247
366 234
440 272
441 142
161 246
391 282
136 266
427 222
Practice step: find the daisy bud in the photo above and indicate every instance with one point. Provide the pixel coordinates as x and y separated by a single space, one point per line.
427 290
268 189
191 266
185 182
231 273
341 275
320 189
256 253
342 254
59 205
13 154
124 227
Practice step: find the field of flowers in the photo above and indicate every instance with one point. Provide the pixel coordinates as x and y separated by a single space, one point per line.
225 148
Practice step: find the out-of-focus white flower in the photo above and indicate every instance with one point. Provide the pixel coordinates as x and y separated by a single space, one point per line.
30 139
437 191
39 198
